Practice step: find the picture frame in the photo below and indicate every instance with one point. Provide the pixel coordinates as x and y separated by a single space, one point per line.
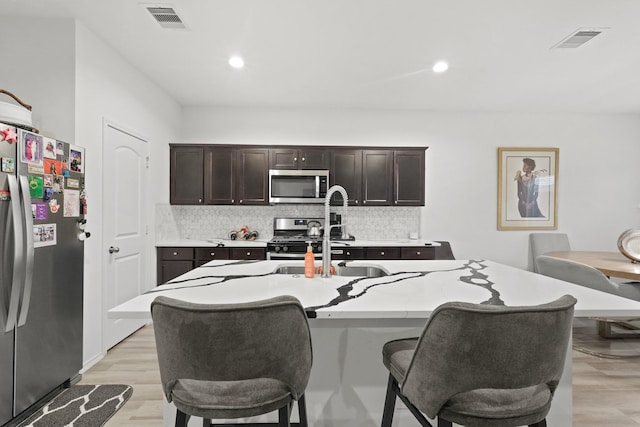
528 188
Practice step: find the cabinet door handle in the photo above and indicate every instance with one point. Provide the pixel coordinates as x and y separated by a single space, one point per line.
303 159
382 253
417 252
240 201
233 201
199 200
174 254
356 202
248 253
213 254
364 202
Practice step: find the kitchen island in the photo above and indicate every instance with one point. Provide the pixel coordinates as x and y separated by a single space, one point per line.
353 315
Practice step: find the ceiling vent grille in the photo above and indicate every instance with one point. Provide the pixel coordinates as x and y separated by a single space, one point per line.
578 38
166 17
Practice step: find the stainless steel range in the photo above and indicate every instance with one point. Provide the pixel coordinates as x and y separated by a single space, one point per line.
291 237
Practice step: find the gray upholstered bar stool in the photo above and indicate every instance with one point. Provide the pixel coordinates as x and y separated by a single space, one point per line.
481 365
229 361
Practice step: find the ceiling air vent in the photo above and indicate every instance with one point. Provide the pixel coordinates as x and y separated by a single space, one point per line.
578 38
166 17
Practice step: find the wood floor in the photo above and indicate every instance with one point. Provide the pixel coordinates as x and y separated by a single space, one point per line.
606 391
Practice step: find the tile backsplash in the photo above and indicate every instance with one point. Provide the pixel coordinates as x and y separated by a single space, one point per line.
215 222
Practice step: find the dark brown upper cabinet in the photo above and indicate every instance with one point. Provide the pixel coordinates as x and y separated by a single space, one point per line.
187 175
220 176
408 180
377 177
299 158
253 176
346 171
239 174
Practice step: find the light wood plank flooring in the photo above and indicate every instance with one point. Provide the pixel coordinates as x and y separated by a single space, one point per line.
606 391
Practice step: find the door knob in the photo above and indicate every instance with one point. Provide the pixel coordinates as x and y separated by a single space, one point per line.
114 249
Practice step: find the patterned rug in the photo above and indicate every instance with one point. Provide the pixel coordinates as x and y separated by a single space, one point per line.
81 406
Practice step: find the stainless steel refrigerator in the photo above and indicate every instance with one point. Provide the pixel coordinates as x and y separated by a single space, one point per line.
41 269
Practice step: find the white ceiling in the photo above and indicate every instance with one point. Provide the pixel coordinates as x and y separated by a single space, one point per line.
376 53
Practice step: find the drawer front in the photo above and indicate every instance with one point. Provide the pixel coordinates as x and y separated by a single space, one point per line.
383 253
418 253
248 253
208 254
176 253
347 253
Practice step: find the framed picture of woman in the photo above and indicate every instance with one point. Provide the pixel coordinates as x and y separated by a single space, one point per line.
527 188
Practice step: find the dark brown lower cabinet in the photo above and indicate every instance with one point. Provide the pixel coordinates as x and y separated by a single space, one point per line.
204 255
172 269
347 253
249 253
174 261
418 252
383 252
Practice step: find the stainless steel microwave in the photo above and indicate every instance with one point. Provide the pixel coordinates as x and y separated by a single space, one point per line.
298 186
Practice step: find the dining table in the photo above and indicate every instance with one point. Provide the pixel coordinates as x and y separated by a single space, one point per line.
612 264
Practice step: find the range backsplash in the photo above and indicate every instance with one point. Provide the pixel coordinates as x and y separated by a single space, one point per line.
215 222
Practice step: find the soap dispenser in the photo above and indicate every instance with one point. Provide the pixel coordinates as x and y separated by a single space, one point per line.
309 259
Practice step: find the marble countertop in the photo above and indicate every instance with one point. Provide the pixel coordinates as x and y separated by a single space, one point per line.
263 243
411 289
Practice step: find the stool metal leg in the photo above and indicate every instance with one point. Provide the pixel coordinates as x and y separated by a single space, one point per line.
283 416
389 402
302 411
181 418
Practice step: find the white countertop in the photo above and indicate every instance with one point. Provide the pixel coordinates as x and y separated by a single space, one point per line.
263 243
210 243
413 289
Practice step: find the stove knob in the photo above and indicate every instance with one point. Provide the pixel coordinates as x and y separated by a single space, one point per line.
285 248
276 248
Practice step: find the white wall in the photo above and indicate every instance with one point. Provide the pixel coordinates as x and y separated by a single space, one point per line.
108 87
598 179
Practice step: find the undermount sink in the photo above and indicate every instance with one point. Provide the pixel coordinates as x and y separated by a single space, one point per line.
355 271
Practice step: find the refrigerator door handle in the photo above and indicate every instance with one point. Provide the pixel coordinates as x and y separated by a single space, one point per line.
27 216
18 254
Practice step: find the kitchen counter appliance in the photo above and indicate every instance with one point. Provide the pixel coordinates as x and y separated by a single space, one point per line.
291 236
41 270
298 186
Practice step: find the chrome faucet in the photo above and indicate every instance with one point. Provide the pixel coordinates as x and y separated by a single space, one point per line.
326 241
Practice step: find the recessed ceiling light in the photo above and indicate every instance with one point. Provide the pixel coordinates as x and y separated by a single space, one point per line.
440 67
236 62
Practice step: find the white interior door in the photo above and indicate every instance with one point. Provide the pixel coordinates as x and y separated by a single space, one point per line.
125 166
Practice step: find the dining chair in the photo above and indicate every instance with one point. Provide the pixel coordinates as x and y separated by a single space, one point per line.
230 361
542 243
481 365
590 277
